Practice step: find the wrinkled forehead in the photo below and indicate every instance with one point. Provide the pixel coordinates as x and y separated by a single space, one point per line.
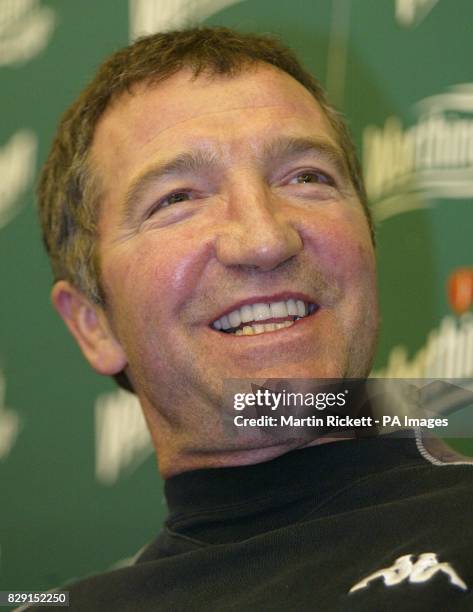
150 110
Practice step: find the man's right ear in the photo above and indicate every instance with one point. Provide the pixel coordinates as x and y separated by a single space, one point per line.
90 327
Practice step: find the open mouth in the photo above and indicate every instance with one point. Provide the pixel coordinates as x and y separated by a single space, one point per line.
263 317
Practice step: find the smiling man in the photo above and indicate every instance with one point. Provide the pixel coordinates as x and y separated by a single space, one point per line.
206 219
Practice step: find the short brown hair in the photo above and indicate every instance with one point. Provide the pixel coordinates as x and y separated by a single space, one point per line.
69 192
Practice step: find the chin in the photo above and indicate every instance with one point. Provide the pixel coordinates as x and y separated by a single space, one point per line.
307 372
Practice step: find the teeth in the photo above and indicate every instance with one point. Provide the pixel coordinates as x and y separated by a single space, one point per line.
234 318
246 313
225 323
292 308
301 309
261 312
251 330
278 309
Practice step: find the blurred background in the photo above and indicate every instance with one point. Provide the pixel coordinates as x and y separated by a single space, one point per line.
79 486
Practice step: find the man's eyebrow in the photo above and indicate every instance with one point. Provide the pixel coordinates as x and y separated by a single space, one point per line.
286 147
186 162
277 150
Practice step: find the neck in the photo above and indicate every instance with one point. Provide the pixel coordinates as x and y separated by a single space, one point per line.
172 462
200 437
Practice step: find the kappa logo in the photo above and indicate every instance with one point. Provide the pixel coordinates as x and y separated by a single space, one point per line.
404 569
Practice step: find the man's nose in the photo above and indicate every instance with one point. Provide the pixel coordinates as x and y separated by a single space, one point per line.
259 232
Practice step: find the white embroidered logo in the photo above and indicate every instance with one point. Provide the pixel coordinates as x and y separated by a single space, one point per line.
426 566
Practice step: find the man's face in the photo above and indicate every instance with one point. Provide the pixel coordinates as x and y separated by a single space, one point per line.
221 194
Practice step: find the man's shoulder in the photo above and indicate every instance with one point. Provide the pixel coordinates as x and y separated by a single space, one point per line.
125 589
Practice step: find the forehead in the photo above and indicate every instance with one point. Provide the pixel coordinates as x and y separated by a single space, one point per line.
149 111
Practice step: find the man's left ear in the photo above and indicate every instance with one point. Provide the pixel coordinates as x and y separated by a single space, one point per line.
89 326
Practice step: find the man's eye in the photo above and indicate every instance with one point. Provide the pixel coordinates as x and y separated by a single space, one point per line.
174 198
313 177
168 200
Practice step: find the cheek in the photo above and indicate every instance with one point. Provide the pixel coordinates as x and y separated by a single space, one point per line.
182 263
154 273
346 253
343 244
361 305
357 273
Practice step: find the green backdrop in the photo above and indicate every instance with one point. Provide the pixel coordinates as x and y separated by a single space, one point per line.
80 490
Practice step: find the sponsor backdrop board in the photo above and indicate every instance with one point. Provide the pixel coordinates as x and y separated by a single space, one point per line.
80 490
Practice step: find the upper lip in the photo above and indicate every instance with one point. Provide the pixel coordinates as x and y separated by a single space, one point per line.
264 299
